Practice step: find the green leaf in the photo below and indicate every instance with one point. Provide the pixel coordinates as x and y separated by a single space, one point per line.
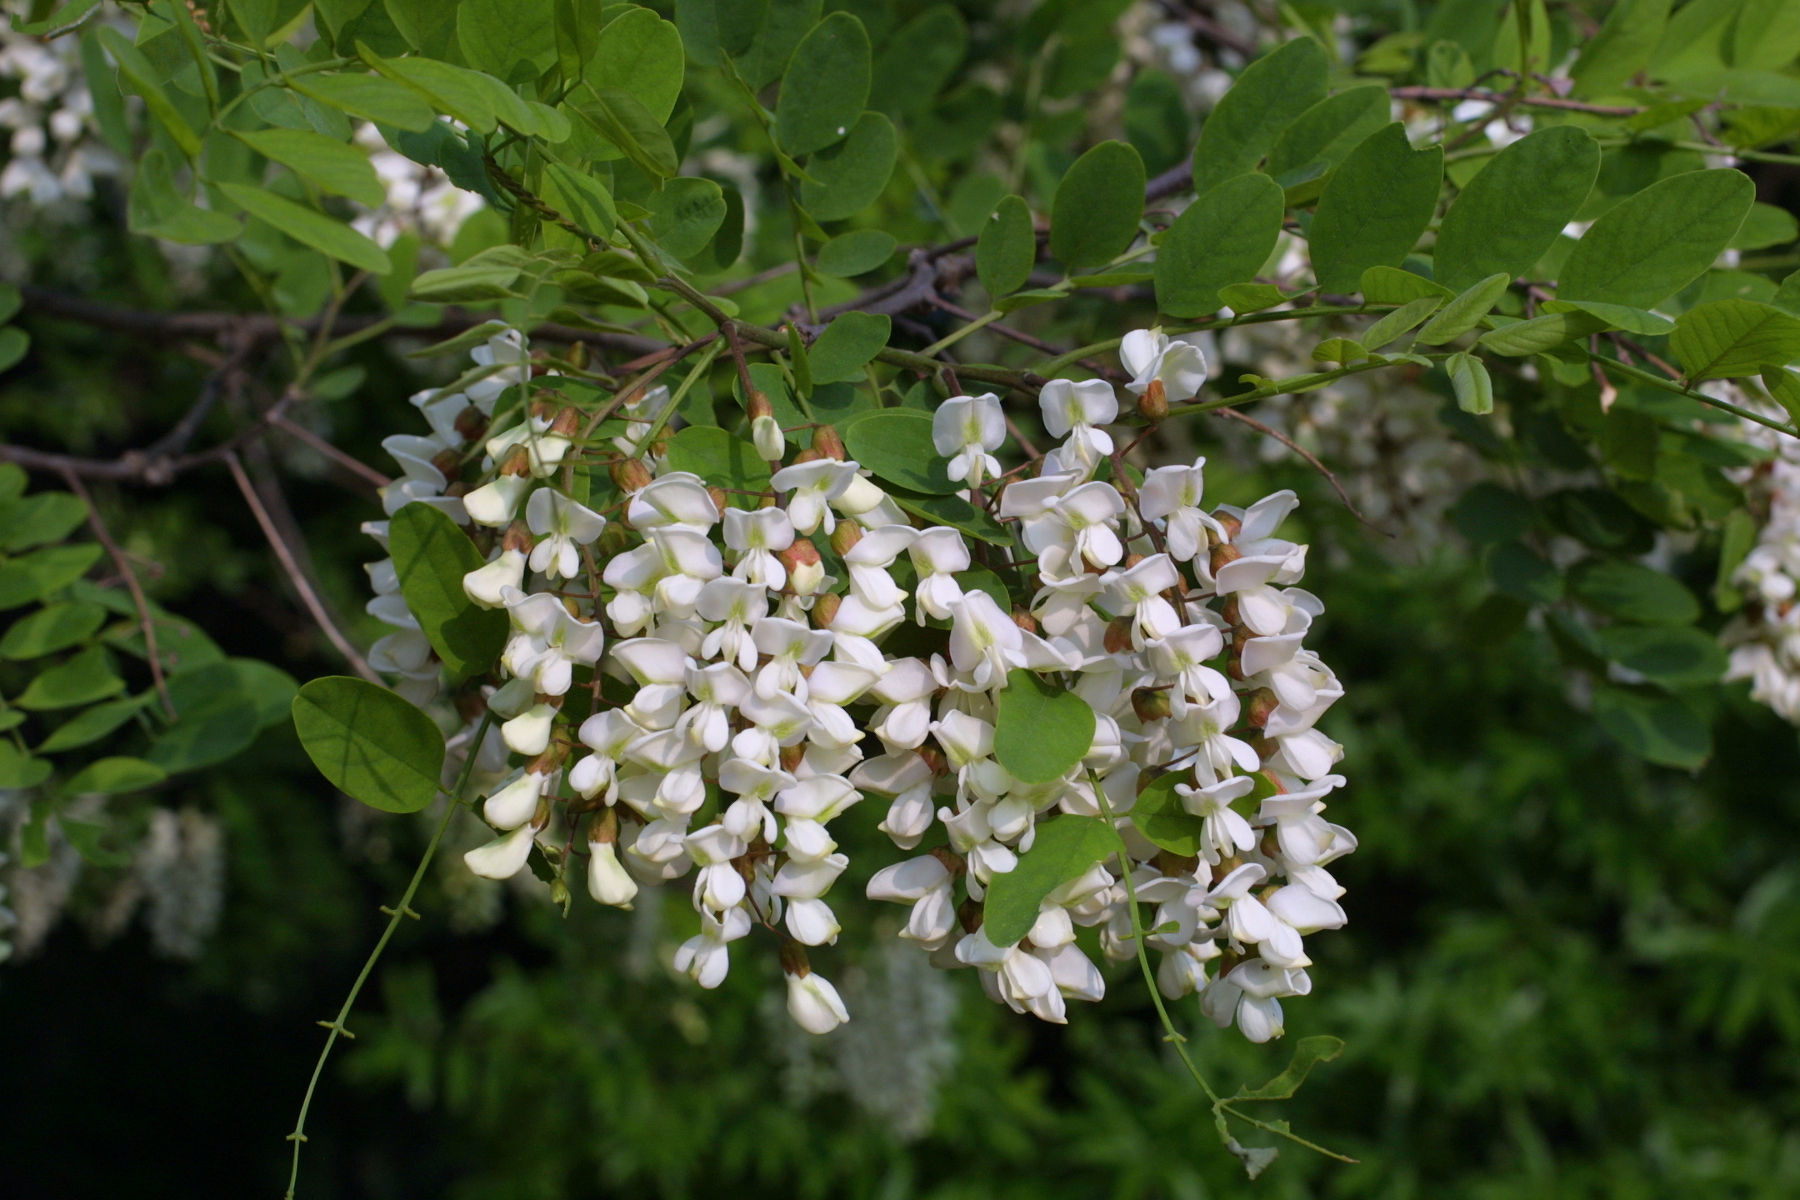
1672 655
1765 36
372 745
1615 316
1521 338
772 47
1250 297
1042 730
1271 94
1220 239
1474 389
1309 1052
370 97
310 227
51 629
1515 209
848 344
1464 312
719 458
847 177
856 252
722 251
512 40
1731 339
1159 816
216 719
14 342
1623 46
955 512
427 25
10 302
640 53
825 86
41 518
1653 726
431 555
33 576
1765 226
60 21
1095 212
18 770
1651 245
1398 322
709 26
622 119
83 679
1488 513
156 208
1523 574
895 443
1324 135
92 724
1391 285
1007 248
1783 385
1374 208
917 60
686 214
333 165
578 196
110 776
1063 850
1633 592
145 80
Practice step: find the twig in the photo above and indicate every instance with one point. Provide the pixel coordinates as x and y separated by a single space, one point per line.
1318 466
349 462
308 596
1508 98
146 621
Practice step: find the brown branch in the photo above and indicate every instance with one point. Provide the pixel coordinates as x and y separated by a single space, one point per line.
285 556
1508 98
348 462
1312 460
146 621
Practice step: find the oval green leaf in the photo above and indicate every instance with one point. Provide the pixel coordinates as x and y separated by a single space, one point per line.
1042 730
431 555
1064 848
1651 245
372 745
1513 211
1220 239
1007 248
310 227
825 86
1271 94
851 175
1374 208
1731 339
1095 212
847 345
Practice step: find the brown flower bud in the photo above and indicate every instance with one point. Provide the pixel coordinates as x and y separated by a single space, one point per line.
449 462
825 609
604 828
1229 610
845 537
1223 554
802 553
757 405
1024 620
516 462
826 441
1132 560
457 489
953 862
969 915
567 423
1150 705
1232 525
1153 405
1118 635
615 538
471 425
632 476
791 756
806 456
518 537
546 405
1262 706
934 758
719 499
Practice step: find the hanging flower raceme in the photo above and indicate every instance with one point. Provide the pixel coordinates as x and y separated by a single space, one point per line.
708 669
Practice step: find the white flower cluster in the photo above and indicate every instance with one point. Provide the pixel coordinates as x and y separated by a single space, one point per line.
741 700
1764 639
420 199
48 116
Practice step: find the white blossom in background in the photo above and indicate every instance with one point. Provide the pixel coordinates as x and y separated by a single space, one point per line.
1764 637
53 152
690 699
420 199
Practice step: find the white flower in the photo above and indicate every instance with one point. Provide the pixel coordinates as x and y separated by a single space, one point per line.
813 485
965 429
1076 409
1153 360
814 1003
608 882
757 537
503 857
561 526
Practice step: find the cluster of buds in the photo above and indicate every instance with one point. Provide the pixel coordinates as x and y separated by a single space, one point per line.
701 684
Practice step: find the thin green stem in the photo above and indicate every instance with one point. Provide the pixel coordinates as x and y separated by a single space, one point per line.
1654 380
402 909
954 336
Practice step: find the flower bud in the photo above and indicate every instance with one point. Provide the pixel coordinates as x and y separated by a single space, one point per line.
845 537
826 441
1222 555
825 608
814 1003
517 462
968 915
806 570
614 539
806 456
1153 405
934 758
720 501
1262 705
631 476
471 425
567 423
607 881
792 757
518 537
545 405
577 355
1024 620
1233 526
1118 635
559 894
1150 704
771 446
449 462
757 405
